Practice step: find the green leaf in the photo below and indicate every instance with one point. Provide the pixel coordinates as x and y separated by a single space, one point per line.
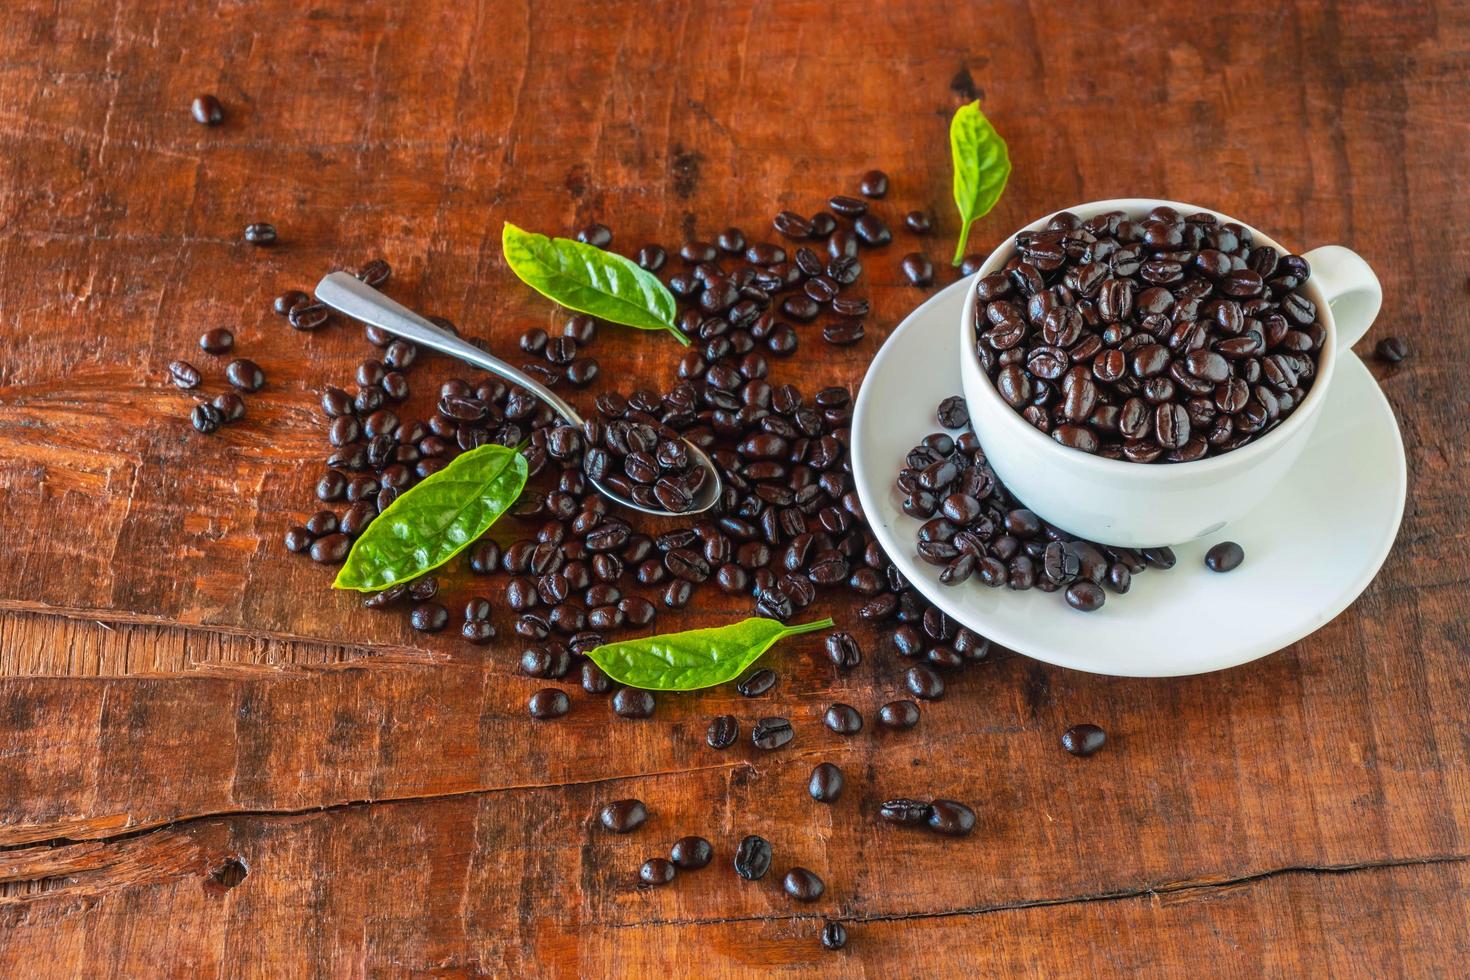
435 520
981 167
695 658
589 280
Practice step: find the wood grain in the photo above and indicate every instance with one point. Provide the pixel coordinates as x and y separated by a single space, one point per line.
177 692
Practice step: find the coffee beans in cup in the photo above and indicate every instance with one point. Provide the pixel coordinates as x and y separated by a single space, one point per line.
1149 338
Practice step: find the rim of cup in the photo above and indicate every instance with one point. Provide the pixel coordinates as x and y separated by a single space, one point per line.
1326 356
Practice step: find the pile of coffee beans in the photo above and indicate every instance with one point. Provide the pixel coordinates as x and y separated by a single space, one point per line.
1154 338
974 529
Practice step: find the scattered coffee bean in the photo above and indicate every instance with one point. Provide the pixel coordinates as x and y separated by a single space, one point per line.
206 418
722 732
904 811
206 110
803 885
549 702
331 550
918 222
260 233
834 935
630 702
376 272
843 719
1224 557
753 857
1391 349
231 407
899 715
1083 739
183 374
216 341
918 269
771 733
950 818
825 784
291 298
691 853
245 374
843 650
874 184
922 682
656 871
756 683
623 816
597 235
652 257
429 617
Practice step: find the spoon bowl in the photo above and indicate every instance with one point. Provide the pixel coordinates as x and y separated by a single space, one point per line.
346 294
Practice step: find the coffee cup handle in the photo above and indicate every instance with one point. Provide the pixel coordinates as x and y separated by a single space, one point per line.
1351 288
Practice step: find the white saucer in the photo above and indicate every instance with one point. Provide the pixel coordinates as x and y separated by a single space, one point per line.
1310 550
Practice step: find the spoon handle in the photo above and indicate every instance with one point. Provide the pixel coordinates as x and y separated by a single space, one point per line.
346 294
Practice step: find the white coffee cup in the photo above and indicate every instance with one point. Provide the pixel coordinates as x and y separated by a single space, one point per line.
1150 504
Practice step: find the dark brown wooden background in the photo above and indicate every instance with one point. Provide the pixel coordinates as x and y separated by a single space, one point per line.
176 692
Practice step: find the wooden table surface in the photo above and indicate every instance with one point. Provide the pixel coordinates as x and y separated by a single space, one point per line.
182 702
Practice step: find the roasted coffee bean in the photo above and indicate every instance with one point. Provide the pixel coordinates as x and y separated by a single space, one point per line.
298 539
722 732
691 853
245 374
260 233
918 269
899 715
871 229
825 784
596 235
206 110
874 184
843 650
216 341
904 811
756 683
919 222
771 733
623 816
1391 349
843 334
803 885
834 935
429 617
843 719
1085 596
922 682
549 702
183 374
1224 557
630 702
652 257
285 302
792 225
1083 739
307 315
753 857
950 818
656 871
375 272
206 418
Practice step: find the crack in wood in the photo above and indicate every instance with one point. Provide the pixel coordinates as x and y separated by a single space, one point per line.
1187 887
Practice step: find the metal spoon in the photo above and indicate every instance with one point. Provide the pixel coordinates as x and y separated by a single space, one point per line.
346 294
